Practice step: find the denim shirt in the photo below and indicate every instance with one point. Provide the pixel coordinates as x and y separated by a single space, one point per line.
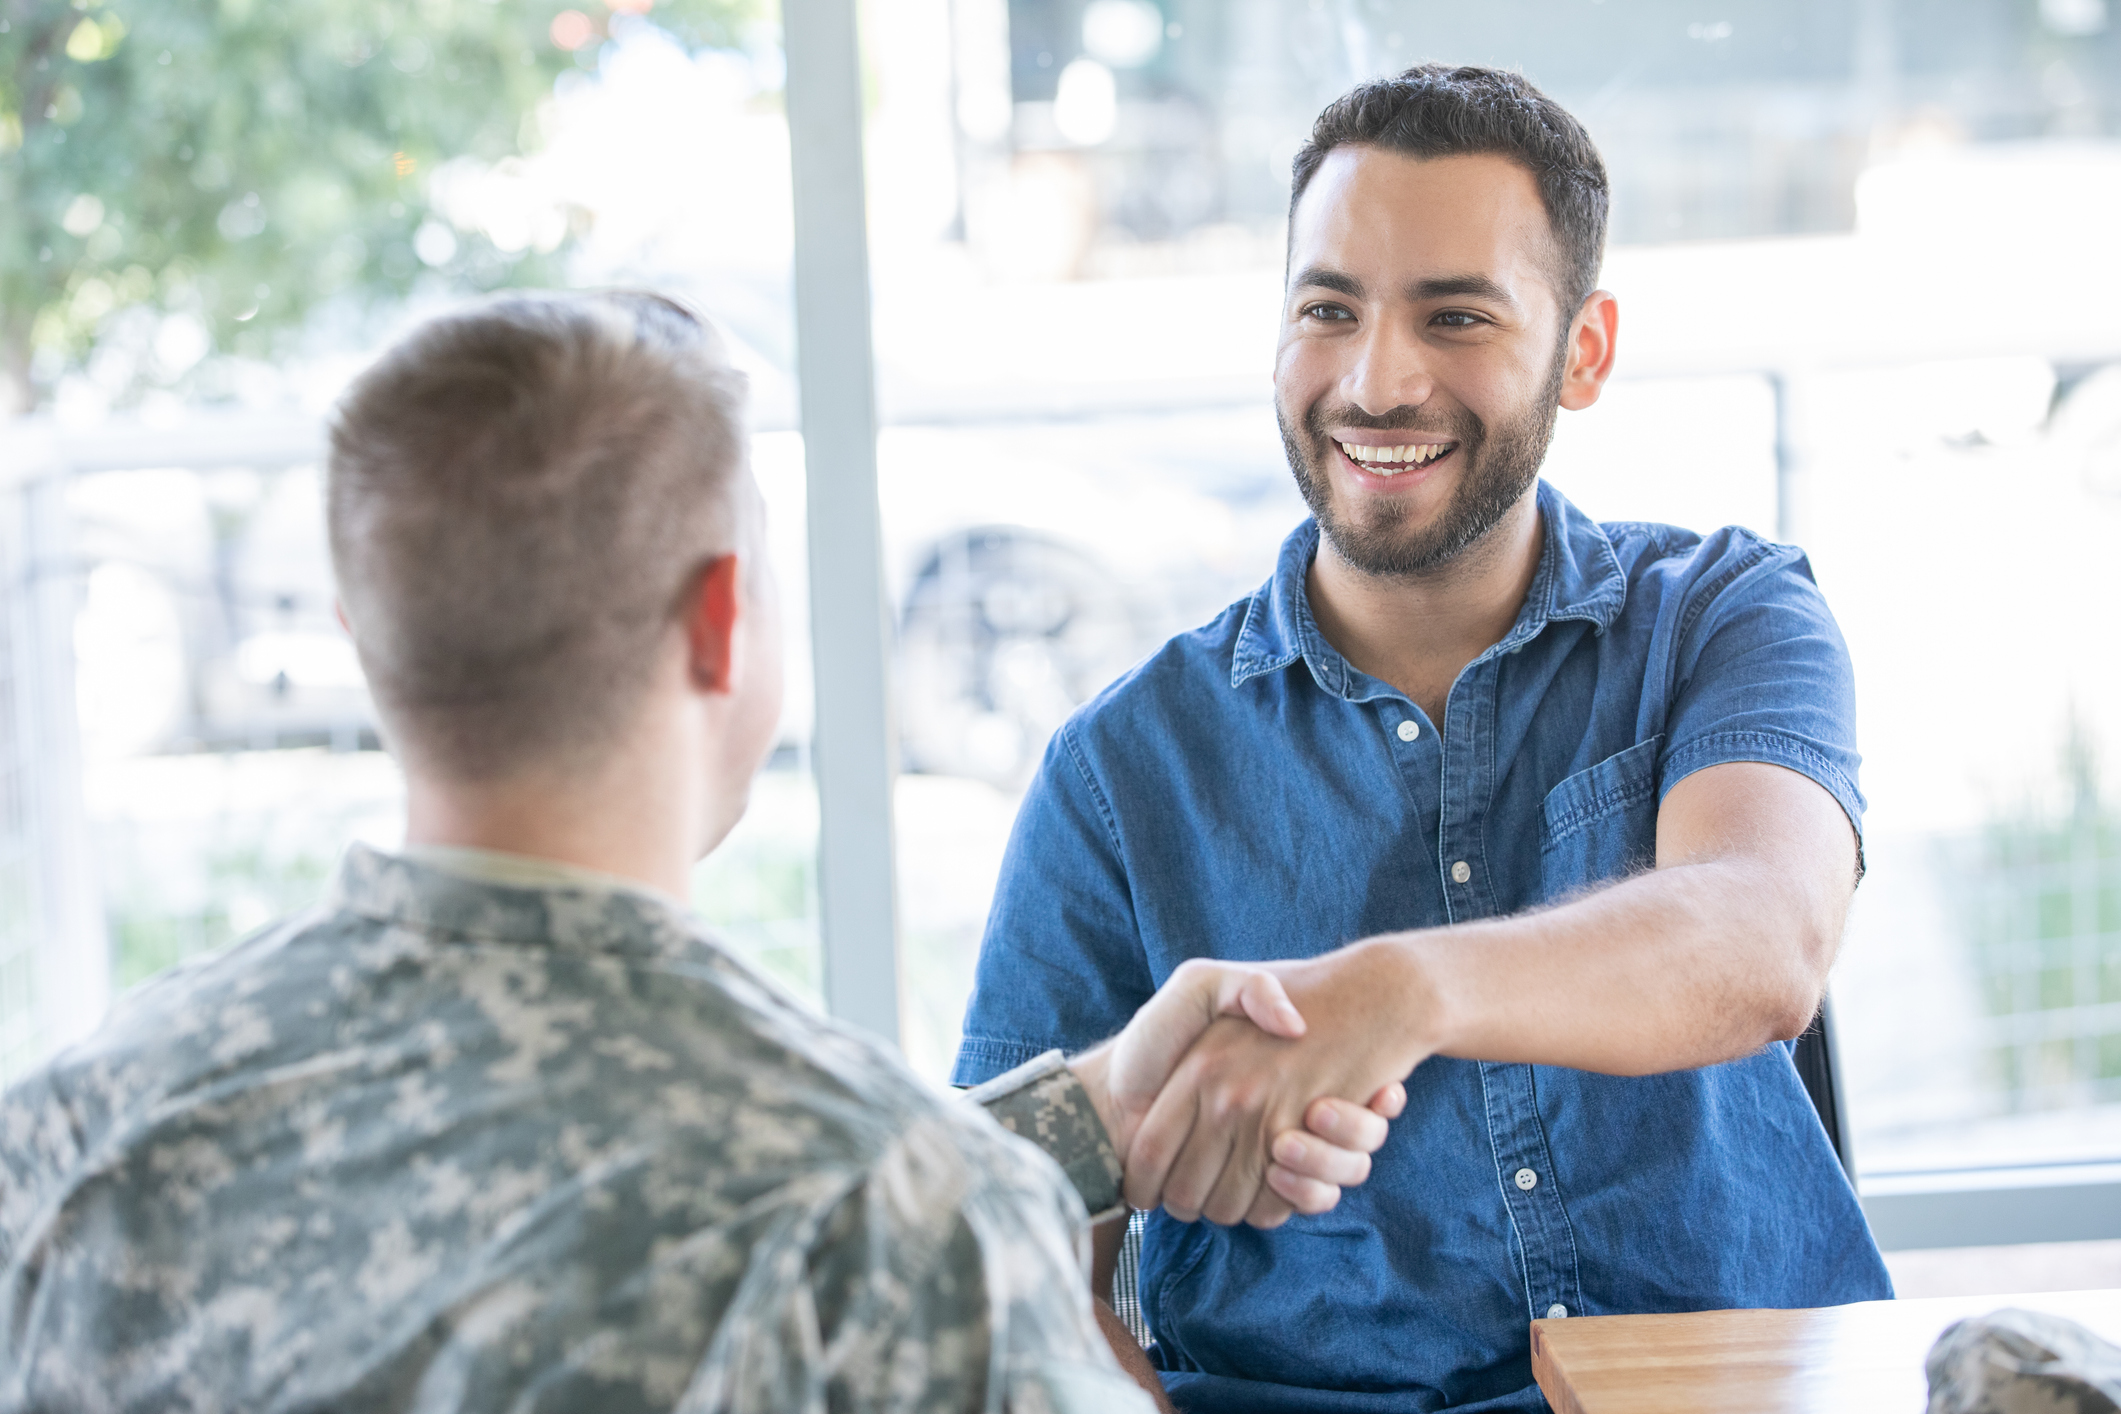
1246 793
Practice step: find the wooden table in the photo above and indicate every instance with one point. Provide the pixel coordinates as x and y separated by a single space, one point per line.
1860 1359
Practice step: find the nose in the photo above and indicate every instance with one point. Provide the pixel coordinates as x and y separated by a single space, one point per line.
1391 369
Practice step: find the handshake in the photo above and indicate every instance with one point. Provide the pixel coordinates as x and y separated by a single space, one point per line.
1220 1108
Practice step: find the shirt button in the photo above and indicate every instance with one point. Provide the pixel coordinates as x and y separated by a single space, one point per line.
1409 729
1556 1311
1527 1180
1460 872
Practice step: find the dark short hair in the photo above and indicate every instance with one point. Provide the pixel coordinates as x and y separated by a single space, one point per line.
1436 111
518 494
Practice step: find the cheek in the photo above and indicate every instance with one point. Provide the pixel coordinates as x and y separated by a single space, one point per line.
1496 386
1302 371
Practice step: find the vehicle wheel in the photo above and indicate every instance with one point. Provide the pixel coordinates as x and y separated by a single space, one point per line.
1004 633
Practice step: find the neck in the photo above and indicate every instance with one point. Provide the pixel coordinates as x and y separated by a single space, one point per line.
1417 632
631 814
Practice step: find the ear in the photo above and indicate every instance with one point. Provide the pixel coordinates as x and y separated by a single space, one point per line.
338 611
1593 340
709 615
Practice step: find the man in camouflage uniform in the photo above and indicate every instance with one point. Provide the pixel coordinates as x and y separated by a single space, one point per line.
499 1125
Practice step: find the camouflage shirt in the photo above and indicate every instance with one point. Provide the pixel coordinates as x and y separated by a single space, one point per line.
452 1144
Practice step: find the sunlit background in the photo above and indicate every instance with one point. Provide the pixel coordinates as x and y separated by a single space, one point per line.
1866 258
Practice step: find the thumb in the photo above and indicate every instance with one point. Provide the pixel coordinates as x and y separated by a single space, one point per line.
1168 1024
1261 997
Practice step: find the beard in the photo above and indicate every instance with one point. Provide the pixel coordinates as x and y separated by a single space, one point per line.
1500 465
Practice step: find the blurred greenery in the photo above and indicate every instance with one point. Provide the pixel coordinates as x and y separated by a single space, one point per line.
2042 908
758 892
248 886
203 175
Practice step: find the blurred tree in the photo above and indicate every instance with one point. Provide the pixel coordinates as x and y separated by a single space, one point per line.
200 175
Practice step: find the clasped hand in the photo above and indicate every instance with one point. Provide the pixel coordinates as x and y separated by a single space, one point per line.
1210 1115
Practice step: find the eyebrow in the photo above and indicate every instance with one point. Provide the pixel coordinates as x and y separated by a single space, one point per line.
1436 287
1319 277
1445 286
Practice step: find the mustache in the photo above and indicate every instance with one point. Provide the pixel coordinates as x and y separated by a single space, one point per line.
1404 418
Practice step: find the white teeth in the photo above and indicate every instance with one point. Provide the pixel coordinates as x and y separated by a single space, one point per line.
1419 454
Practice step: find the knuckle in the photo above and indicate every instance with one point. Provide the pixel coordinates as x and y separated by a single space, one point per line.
1183 1199
1191 970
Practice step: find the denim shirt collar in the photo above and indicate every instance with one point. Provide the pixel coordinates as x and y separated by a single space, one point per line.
1579 577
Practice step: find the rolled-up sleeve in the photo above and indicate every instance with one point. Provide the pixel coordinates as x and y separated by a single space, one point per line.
1765 676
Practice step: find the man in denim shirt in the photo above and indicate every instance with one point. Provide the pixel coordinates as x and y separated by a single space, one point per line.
1558 819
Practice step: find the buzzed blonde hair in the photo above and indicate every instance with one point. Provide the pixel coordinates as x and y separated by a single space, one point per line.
520 494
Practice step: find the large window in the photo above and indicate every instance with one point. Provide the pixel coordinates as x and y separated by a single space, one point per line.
189 745
1827 225
1864 257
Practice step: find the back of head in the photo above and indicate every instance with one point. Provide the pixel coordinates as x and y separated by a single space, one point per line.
1437 111
519 494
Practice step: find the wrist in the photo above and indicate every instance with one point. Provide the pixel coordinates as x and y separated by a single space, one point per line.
1093 1072
1407 969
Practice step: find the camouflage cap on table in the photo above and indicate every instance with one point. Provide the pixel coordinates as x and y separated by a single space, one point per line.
2022 1362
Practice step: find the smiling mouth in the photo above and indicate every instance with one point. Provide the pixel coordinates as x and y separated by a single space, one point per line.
1391 461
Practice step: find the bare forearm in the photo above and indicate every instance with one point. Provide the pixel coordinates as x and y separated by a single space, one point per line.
1687 966
1722 949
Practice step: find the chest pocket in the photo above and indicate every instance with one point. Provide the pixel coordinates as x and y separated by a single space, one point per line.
1601 823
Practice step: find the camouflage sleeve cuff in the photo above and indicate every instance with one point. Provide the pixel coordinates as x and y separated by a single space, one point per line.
1043 1101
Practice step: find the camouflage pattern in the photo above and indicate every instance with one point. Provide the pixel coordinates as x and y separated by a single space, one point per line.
1041 1100
445 1143
2023 1362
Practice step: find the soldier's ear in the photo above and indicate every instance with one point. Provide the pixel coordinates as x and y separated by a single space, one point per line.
709 615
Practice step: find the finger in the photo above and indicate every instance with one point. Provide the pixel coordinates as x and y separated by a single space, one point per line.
1307 1195
1269 1210
1195 994
1158 1141
1195 1172
1390 1101
1261 997
1349 1126
1308 1156
1237 1188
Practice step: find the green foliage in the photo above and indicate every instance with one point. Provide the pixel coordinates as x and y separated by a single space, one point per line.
2040 900
148 937
759 895
244 161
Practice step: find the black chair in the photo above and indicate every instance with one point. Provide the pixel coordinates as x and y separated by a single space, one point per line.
1816 1066
1820 1070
